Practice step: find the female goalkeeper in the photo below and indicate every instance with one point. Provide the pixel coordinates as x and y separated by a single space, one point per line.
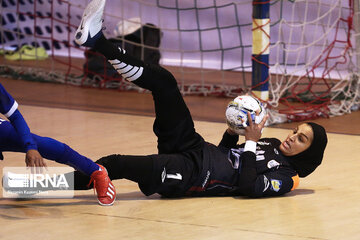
186 165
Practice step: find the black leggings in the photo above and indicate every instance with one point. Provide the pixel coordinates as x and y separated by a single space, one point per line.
173 123
134 168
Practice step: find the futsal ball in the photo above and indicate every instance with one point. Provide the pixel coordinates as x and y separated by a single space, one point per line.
236 113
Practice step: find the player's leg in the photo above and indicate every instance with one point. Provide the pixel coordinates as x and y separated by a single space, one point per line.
135 168
48 148
54 150
166 174
173 124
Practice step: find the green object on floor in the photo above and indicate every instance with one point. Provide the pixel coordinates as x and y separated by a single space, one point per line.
27 52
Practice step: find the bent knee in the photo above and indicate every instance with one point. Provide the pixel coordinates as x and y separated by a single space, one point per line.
104 161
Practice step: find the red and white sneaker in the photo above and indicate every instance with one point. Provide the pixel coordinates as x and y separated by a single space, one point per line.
105 190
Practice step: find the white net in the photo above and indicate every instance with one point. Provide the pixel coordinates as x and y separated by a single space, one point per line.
207 45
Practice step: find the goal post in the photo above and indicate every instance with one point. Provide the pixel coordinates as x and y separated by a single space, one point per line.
260 49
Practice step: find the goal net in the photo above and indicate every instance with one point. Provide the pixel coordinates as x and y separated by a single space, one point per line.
313 49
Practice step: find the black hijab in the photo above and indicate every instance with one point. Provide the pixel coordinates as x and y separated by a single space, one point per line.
307 161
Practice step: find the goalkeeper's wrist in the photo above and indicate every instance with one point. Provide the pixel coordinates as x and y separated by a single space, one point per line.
250 146
231 132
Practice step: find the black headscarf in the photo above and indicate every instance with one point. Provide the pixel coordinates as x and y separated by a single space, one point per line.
307 161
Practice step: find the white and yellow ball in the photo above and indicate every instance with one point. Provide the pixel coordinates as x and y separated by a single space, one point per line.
236 113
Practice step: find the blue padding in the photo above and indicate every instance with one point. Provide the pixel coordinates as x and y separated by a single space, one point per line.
261 11
260 72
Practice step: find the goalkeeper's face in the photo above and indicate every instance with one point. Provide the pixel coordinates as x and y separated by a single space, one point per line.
298 140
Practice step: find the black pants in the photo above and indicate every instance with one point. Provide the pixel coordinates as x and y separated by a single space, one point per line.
174 168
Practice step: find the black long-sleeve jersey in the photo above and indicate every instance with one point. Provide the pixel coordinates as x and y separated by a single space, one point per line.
228 170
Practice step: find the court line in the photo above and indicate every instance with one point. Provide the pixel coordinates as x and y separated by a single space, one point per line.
201 225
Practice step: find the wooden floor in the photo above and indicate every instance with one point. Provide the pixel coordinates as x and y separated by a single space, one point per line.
325 206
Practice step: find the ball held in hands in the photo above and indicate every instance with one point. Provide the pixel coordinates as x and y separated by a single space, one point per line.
236 113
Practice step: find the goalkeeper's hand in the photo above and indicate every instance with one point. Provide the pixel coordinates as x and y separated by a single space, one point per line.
253 131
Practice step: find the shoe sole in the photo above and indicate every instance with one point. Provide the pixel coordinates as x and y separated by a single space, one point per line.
89 13
109 204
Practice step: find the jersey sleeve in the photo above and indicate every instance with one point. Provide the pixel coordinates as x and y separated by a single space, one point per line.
272 183
23 131
228 140
275 183
248 175
7 104
9 108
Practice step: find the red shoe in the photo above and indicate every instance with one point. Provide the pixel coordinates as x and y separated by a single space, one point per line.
105 190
